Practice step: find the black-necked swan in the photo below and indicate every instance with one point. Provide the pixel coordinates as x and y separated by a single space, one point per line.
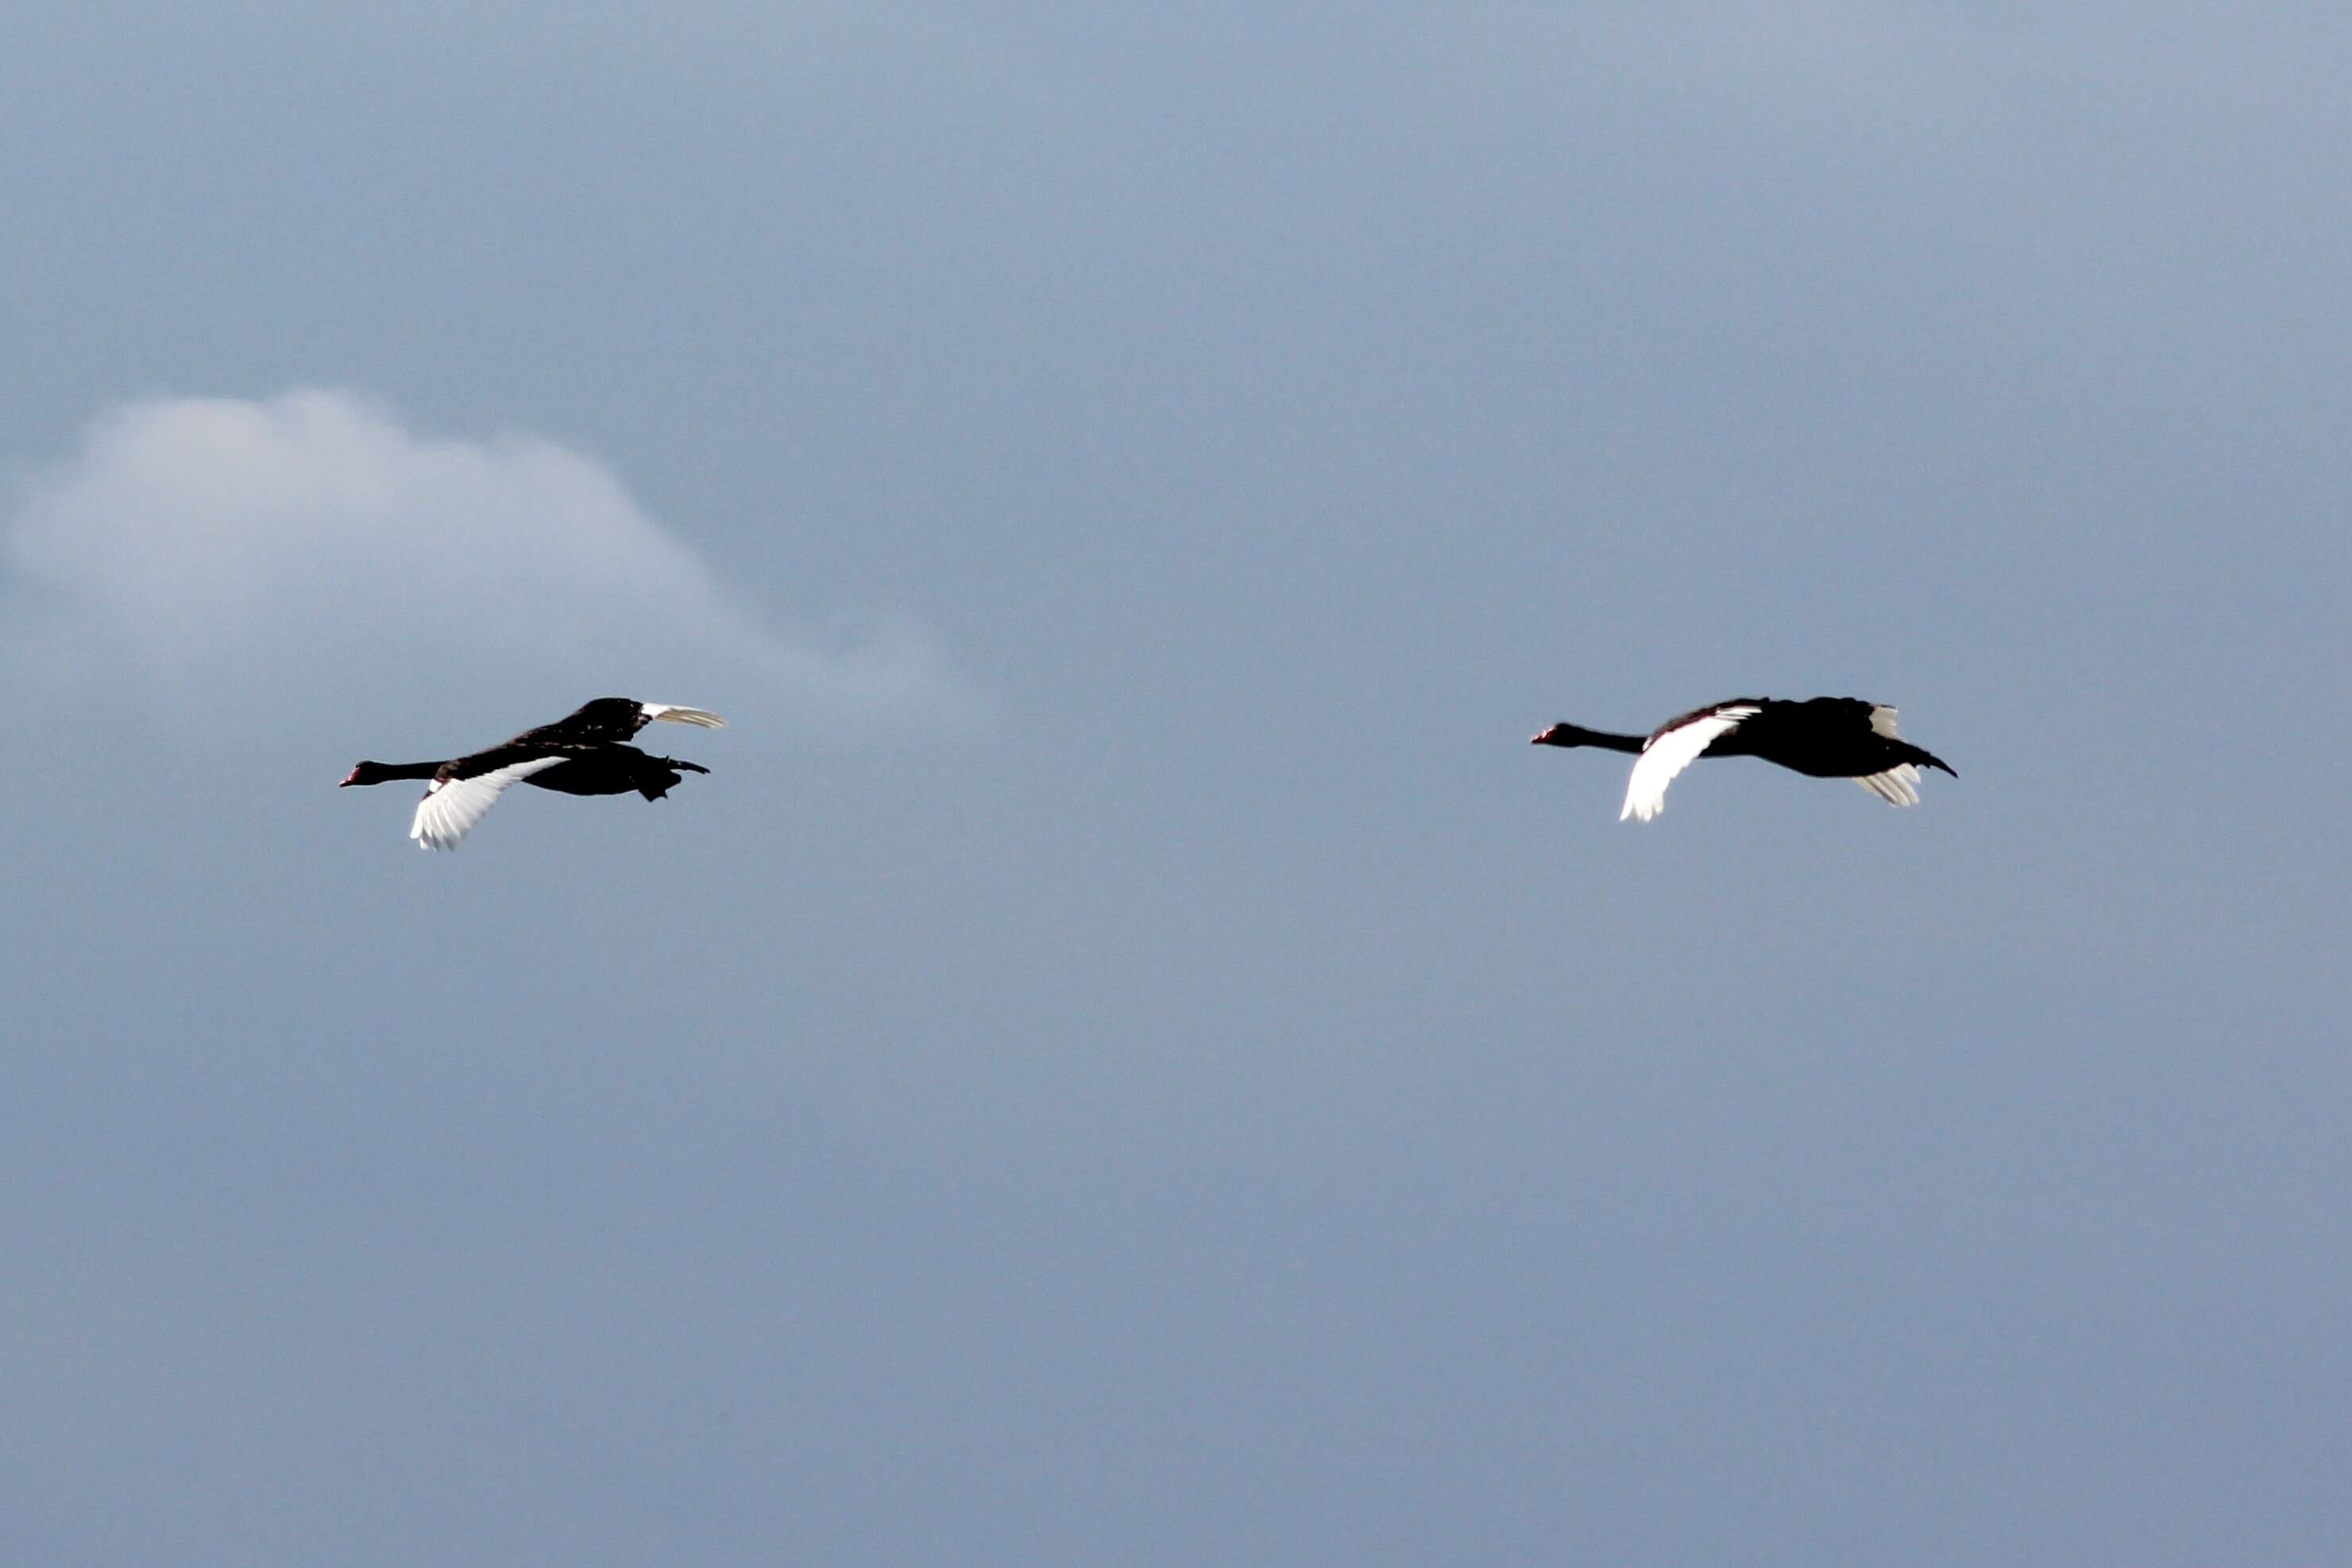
1828 737
579 754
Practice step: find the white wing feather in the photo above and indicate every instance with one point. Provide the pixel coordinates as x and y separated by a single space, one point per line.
1669 753
449 810
674 714
1898 785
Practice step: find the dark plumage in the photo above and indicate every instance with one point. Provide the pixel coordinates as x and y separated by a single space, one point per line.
1827 737
581 754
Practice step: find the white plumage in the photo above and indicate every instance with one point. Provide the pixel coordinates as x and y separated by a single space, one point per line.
452 807
674 714
1896 786
1668 752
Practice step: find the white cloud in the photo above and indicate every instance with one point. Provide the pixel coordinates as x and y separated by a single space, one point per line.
311 548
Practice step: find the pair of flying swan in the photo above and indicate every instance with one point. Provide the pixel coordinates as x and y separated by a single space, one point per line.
587 753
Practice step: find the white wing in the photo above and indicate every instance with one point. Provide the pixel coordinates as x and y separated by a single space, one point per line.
677 715
450 809
1669 753
1897 785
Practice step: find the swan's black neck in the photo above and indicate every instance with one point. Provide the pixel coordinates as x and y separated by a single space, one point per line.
378 773
1578 735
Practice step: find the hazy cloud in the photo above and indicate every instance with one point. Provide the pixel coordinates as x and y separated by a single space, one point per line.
316 543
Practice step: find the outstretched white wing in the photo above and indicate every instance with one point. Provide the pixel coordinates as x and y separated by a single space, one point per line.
674 714
1669 752
452 807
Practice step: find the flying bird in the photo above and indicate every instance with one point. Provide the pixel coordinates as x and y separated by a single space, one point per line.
1827 737
582 754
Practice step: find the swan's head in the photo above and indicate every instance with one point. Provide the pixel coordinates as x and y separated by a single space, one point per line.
1559 735
363 774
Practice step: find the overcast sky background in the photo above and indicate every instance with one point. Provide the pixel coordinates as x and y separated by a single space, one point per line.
1129 1057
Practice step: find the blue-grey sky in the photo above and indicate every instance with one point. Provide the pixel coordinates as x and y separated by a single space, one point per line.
1129 1058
